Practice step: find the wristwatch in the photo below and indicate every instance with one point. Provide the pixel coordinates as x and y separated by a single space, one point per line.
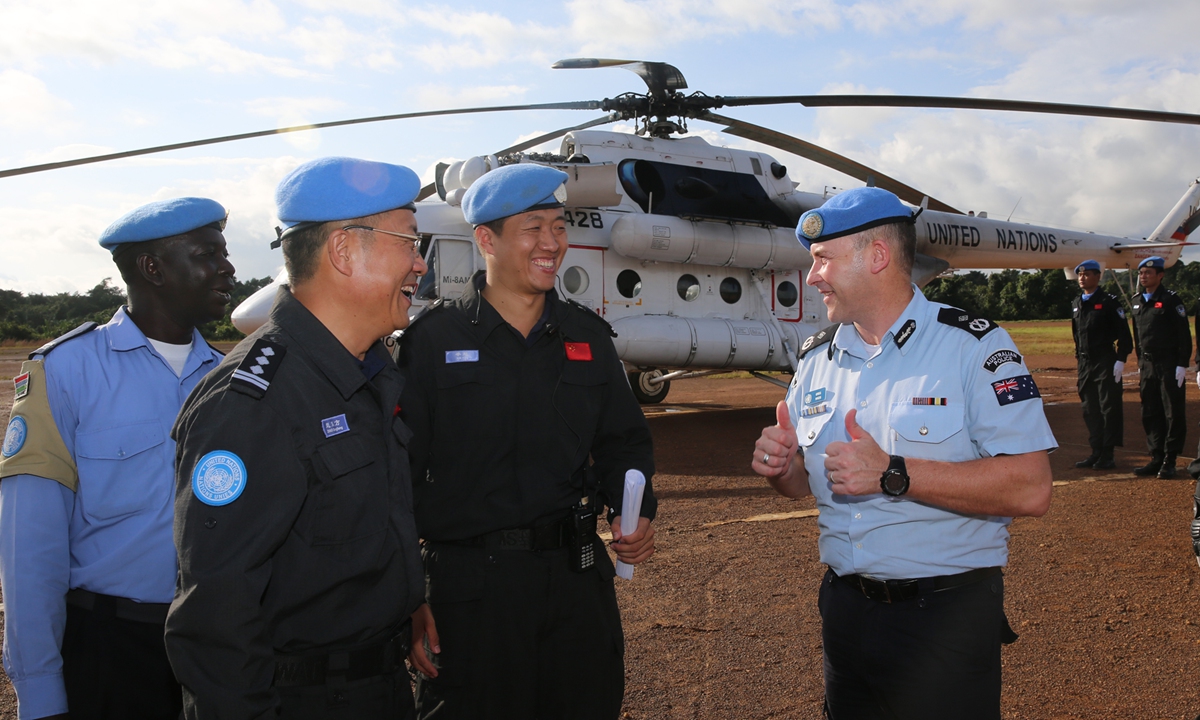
895 479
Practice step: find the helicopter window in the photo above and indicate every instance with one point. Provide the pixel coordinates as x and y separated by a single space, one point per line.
575 280
427 287
685 191
688 287
787 294
731 290
756 166
629 283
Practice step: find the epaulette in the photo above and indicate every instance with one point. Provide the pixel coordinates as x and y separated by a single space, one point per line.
824 335
253 375
963 320
80 331
425 311
580 306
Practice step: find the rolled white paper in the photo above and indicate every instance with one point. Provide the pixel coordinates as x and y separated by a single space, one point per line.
631 511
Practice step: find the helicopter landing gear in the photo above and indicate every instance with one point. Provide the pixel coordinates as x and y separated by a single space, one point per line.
646 391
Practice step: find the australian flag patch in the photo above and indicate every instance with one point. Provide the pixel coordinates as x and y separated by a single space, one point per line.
1021 387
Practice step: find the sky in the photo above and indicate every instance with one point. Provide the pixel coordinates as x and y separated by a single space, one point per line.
84 77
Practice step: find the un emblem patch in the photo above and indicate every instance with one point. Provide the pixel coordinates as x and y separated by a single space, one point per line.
219 478
812 226
14 437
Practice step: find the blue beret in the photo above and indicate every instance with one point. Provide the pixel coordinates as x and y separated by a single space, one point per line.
340 188
513 189
1088 265
1153 261
850 212
162 219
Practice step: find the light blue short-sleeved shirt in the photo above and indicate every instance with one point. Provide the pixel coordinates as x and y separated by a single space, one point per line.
113 399
942 385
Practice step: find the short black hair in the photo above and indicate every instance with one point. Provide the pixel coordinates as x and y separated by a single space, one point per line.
301 249
902 236
127 254
497 225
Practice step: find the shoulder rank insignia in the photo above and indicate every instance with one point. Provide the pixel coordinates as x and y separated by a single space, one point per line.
253 376
825 335
80 331
594 314
963 320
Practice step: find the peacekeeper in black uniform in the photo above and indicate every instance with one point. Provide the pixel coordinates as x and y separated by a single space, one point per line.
1102 343
524 426
1164 347
299 557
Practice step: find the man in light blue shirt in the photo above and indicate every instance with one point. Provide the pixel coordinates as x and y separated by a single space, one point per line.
921 434
87 560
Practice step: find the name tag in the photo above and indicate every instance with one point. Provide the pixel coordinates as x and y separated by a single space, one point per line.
457 356
335 426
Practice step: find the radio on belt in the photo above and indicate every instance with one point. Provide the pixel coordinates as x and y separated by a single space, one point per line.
582 536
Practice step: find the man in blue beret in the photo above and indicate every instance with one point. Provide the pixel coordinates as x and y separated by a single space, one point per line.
298 556
1102 343
921 434
1164 349
522 618
86 556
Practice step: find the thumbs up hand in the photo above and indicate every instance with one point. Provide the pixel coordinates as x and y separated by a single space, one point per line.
776 447
855 467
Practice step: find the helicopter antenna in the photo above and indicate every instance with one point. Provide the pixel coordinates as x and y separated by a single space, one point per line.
1010 214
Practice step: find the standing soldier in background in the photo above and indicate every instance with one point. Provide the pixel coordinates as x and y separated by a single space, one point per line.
86 557
1164 348
1098 325
298 557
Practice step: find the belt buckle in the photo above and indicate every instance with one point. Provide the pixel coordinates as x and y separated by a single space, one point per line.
514 538
875 589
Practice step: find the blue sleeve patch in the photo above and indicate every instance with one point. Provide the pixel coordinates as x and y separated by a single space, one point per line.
219 478
1021 387
14 436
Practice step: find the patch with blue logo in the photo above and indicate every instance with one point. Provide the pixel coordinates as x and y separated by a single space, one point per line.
814 397
457 356
335 425
14 436
219 478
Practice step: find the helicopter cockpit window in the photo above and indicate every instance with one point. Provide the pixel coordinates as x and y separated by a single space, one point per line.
427 287
787 294
681 190
629 283
688 287
575 280
731 290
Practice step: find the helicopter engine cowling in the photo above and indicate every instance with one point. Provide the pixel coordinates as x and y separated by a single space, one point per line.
708 242
679 342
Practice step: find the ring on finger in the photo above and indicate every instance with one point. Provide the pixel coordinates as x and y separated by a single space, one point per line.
766 459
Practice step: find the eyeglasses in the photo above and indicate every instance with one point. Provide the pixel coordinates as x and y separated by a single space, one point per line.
413 239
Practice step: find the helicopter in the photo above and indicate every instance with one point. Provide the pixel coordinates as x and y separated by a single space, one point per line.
688 249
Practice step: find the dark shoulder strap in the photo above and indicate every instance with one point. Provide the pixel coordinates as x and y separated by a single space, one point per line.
80 331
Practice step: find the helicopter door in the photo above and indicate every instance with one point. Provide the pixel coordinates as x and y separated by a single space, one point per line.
786 295
581 277
451 262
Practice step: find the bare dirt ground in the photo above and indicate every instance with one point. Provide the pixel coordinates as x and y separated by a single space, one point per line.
722 621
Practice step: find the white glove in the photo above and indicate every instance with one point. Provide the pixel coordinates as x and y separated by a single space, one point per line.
1118 369
1179 375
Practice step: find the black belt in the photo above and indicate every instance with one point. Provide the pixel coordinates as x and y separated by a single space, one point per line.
891 591
346 666
541 537
119 607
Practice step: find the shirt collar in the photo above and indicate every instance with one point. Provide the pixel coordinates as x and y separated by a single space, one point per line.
310 336
917 312
486 318
124 335
1087 296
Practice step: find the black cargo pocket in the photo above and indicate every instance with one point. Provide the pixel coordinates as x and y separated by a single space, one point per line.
455 583
455 374
350 499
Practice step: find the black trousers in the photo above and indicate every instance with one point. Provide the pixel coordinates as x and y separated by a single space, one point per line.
387 697
1162 409
116 669
935 656
1100 395
523 637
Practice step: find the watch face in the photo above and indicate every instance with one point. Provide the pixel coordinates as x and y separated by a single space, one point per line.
895 482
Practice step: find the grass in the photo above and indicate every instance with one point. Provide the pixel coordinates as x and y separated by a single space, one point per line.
1041 337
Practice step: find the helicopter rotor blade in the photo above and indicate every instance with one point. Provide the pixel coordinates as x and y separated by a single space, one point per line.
431 188
931 101
660 77
828 158
579 105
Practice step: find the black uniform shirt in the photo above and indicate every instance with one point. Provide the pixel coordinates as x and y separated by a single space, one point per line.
502 430
1161 327
1099 323
320 550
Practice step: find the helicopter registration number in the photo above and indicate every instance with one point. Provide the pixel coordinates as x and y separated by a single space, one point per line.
583 219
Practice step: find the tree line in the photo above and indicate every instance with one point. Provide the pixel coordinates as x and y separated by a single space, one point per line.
34 317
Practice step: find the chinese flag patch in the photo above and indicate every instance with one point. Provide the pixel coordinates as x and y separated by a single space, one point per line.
578 351
1099 307
1157 304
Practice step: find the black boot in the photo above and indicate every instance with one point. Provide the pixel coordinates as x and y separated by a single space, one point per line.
1089 461
1150 468
1167 471
1105 461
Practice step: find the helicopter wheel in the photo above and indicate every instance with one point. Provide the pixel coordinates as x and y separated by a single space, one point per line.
648 393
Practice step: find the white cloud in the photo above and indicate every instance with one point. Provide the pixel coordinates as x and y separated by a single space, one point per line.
27 104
